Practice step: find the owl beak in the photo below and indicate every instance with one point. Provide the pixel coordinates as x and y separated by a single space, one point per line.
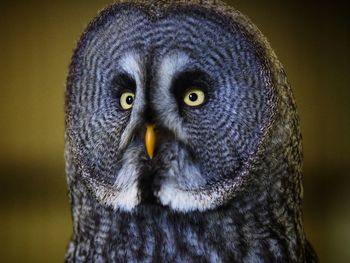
150 139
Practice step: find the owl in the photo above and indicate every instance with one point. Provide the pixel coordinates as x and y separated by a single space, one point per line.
182 139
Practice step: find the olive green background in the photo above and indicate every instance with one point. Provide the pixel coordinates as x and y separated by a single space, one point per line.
37 38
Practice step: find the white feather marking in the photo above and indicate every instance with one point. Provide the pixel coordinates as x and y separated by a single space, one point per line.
127 199
184 200
167 106
205 197
133 65
124 193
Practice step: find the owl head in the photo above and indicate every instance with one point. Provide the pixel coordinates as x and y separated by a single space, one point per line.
181 105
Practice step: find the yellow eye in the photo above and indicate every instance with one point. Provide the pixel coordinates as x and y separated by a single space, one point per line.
194 97
127 100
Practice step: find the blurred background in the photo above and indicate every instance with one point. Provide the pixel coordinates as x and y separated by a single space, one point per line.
37 38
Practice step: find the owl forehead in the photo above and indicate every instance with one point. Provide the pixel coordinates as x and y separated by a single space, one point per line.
201 37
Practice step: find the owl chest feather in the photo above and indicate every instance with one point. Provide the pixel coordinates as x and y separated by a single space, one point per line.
158 235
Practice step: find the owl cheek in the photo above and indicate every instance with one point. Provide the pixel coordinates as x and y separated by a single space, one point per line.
122 199
180 180
123 193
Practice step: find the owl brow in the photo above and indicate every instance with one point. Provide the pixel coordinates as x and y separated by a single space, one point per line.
124 81
189 79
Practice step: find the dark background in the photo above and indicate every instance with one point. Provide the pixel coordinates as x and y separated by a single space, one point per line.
37 38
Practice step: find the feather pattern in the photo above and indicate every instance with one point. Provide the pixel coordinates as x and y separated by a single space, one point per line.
225 182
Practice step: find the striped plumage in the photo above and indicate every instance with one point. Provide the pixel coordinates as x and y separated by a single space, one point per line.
225 181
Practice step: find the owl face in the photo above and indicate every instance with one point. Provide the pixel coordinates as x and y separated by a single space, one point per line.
195 83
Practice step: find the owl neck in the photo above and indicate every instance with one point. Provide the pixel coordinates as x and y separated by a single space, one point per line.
245 230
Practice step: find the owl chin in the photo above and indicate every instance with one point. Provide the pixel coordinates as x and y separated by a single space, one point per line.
180 183
172 179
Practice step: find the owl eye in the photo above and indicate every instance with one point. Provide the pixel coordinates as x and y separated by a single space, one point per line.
127 100
194 97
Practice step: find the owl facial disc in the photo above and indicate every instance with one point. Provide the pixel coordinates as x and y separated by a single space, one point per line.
204 87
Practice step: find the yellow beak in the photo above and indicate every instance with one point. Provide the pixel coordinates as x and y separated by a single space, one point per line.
150 140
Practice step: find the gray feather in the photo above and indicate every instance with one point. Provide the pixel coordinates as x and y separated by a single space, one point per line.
225 182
